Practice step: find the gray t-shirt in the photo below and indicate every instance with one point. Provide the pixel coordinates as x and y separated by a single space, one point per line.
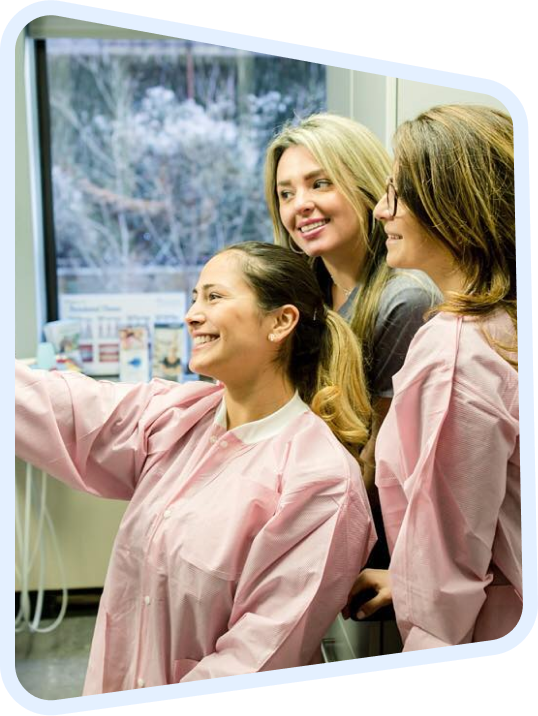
402 305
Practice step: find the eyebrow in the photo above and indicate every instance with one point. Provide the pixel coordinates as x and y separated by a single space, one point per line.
206 287
310 175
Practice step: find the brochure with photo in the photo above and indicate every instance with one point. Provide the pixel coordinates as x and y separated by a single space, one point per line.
102 315
134 354
168 351
65 338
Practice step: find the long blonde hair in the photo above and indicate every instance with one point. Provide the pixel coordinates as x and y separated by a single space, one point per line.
321 357
358 165
455 173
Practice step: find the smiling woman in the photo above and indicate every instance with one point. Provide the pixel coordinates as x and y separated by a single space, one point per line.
317 216
410 246
247 518
448 451
230 335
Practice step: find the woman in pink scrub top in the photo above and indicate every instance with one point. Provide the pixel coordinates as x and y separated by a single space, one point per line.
448 452
248 518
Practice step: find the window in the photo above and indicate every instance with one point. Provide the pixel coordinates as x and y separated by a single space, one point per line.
155 151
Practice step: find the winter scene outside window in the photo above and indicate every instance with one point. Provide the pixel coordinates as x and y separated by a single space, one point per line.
157 151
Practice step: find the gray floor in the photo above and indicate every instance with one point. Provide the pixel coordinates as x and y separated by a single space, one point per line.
53 666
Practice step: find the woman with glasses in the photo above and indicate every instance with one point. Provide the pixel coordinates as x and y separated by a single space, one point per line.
448 451
323 178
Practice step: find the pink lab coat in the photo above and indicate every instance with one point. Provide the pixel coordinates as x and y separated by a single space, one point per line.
448 476
238 548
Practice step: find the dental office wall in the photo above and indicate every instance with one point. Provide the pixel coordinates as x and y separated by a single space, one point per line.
86 526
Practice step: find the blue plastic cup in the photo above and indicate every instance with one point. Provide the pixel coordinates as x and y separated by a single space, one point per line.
46 356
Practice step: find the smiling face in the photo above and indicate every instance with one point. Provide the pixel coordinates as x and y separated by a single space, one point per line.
228 331
409 245
320 220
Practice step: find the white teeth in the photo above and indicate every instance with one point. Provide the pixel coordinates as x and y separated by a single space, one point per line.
394 237
311 227
199 340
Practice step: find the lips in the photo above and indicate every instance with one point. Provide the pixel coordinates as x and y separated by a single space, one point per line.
312 225
203 340
312 228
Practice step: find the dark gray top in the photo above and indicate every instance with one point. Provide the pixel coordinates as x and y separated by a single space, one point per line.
403 303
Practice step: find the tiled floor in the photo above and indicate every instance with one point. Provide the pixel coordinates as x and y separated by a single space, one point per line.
53 666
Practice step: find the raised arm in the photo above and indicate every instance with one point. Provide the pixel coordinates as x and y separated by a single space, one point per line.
86 433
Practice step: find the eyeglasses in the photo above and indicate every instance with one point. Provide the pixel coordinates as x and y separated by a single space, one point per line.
392 197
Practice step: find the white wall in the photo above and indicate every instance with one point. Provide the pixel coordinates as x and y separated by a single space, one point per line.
415 97
26 330
366 97
382 103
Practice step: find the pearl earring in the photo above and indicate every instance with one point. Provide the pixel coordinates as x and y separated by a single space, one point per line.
271 337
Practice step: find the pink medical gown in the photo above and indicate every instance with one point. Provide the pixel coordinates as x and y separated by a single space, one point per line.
448 476
237 549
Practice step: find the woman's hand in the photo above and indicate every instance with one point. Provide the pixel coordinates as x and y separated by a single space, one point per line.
371 591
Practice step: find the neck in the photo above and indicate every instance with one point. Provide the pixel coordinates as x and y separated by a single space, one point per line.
345 277
251 400
449 282
345 267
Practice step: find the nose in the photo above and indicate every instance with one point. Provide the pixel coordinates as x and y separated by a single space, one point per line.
303 202
194 315
381 210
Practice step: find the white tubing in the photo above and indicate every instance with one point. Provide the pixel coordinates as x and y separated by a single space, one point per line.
24 619
63 609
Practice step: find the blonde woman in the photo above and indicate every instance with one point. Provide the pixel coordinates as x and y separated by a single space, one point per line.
448 451
323 178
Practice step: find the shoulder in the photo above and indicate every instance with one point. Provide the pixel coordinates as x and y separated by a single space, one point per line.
403 309
315 461
167 395
481 366
184 392
480 335
431 338
410 288
456 349
435 345
466 341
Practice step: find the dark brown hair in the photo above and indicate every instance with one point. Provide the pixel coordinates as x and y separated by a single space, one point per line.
321 357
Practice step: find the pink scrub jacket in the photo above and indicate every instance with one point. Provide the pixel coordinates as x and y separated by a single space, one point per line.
238 548
448 477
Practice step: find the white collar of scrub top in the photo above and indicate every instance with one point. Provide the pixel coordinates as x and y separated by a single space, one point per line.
267 427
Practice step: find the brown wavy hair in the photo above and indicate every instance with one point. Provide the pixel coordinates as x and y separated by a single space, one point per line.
455 174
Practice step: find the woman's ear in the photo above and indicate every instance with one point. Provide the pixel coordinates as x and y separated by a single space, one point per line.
284 321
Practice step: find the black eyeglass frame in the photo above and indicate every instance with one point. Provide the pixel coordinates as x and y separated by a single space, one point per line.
392 196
